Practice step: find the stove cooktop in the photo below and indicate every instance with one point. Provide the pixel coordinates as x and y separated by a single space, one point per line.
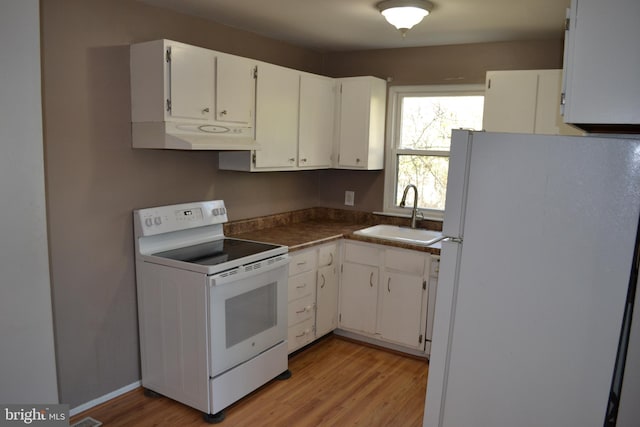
216 252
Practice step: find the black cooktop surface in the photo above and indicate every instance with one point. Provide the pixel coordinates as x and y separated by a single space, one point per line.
217 251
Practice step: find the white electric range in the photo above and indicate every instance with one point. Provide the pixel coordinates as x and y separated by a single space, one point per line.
212 310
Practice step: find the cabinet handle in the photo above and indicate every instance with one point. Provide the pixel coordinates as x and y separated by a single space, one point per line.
223 112
205 110
330 258
302 263
303 160
323 280
300 287
305 309
292 159
357 160
389 285
305 332
371 279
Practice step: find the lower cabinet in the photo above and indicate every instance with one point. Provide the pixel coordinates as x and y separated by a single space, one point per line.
385 293
400 317
327 289
375 292
313 294
358 297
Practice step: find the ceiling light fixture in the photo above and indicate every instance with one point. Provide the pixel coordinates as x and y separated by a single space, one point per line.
404 14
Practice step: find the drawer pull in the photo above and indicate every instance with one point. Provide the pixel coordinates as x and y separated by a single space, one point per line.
305 332
302 263
300 287
305 309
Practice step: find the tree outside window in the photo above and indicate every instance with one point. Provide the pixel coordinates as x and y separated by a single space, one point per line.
421 144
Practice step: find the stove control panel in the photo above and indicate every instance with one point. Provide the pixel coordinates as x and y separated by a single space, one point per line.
165 219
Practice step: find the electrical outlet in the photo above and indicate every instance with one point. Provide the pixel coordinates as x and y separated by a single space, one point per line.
349 197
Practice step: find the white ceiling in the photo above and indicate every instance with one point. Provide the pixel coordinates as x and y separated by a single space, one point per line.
343 25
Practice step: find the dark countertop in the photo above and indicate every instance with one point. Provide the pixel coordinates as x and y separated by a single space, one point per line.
302 234
311 232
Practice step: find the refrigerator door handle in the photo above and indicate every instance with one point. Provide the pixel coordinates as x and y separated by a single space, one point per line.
444 239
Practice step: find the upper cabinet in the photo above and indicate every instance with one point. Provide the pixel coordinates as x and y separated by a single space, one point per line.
524 101
307 121
601 66
317 118
187 97
191 93
171 81
235 89
294 122
265 117
277 117
361 118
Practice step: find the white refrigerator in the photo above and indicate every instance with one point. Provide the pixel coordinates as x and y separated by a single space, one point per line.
534 282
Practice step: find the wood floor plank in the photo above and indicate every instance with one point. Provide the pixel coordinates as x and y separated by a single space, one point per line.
335 382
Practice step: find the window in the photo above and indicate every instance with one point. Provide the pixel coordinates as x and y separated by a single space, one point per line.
421 119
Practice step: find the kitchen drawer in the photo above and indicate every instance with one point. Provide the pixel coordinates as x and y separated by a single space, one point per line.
362 254
301 309
301 285
327 255
301 262
300 335
406 261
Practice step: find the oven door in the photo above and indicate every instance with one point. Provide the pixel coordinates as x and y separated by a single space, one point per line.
248 312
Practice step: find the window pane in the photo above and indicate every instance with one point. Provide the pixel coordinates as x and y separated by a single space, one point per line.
427 121
429 174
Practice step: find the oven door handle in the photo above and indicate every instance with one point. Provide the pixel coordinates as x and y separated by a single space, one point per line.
249 270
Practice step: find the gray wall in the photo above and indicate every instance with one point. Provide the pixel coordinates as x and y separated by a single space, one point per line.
94 179
434 65
27 361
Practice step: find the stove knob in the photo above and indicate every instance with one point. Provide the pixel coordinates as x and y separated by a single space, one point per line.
148 222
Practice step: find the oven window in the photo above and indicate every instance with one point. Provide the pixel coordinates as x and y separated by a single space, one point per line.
251 313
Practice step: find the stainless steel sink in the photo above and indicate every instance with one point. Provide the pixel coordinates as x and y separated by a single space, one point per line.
414 236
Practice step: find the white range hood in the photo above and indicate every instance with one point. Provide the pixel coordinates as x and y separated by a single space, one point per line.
176 136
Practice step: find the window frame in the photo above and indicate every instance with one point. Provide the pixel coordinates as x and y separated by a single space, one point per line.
395 96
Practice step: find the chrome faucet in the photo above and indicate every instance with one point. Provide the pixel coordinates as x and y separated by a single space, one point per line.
414 211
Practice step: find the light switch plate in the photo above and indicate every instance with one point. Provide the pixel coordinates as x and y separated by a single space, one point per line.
349 197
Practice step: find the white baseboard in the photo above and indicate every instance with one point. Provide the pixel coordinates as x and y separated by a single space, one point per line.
102 399
380 343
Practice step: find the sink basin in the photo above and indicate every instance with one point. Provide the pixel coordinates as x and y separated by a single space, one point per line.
414 236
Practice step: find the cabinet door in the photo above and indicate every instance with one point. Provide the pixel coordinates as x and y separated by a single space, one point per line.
548 117
601 63
360 136
235 85
359 297
317 107
355 100
433 290
277 100
327 300
191 80
510 101
401 310
327 254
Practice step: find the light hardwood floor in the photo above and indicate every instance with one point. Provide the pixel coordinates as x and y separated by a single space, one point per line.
335 382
